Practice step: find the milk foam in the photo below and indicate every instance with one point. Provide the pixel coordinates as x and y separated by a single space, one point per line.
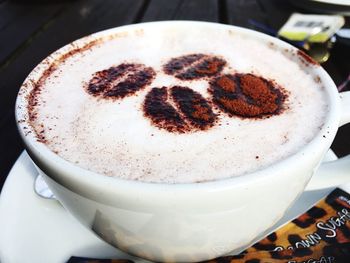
113 137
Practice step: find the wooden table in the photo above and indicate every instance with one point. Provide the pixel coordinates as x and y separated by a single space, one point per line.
31 30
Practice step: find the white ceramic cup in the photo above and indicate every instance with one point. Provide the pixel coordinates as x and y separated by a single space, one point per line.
182 222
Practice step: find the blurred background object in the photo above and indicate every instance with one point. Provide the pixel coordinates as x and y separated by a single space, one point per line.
340 7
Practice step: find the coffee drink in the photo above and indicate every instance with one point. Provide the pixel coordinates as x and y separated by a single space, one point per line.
177 105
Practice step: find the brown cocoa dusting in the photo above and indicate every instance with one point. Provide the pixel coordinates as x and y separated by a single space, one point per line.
257 89
200 112
194 66
195 108
317 79
252 96
120 81
161 113
272 46
306 58
191 112
227 84
37 85
33 95
285 139
79 50
210 66
41 138
178 64
27 132
239 107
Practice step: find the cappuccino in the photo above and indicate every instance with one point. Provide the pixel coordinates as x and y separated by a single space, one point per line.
177 105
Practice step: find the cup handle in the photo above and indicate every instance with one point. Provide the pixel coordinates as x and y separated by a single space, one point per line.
334 173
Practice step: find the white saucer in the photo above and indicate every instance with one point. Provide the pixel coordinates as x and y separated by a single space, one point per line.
34 229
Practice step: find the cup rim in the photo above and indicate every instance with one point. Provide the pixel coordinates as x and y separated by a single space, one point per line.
51 161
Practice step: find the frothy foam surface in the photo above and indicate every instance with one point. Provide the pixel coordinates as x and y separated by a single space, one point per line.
113 136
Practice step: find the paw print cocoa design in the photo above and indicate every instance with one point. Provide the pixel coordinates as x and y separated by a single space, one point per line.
120 81
194 66
178 109
246 95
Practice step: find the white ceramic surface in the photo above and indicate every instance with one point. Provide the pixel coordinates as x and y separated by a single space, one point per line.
181 222
35 230
29 223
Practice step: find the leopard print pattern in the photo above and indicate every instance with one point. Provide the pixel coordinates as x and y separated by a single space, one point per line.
324 230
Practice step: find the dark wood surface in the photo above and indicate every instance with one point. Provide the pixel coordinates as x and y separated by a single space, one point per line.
31 30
